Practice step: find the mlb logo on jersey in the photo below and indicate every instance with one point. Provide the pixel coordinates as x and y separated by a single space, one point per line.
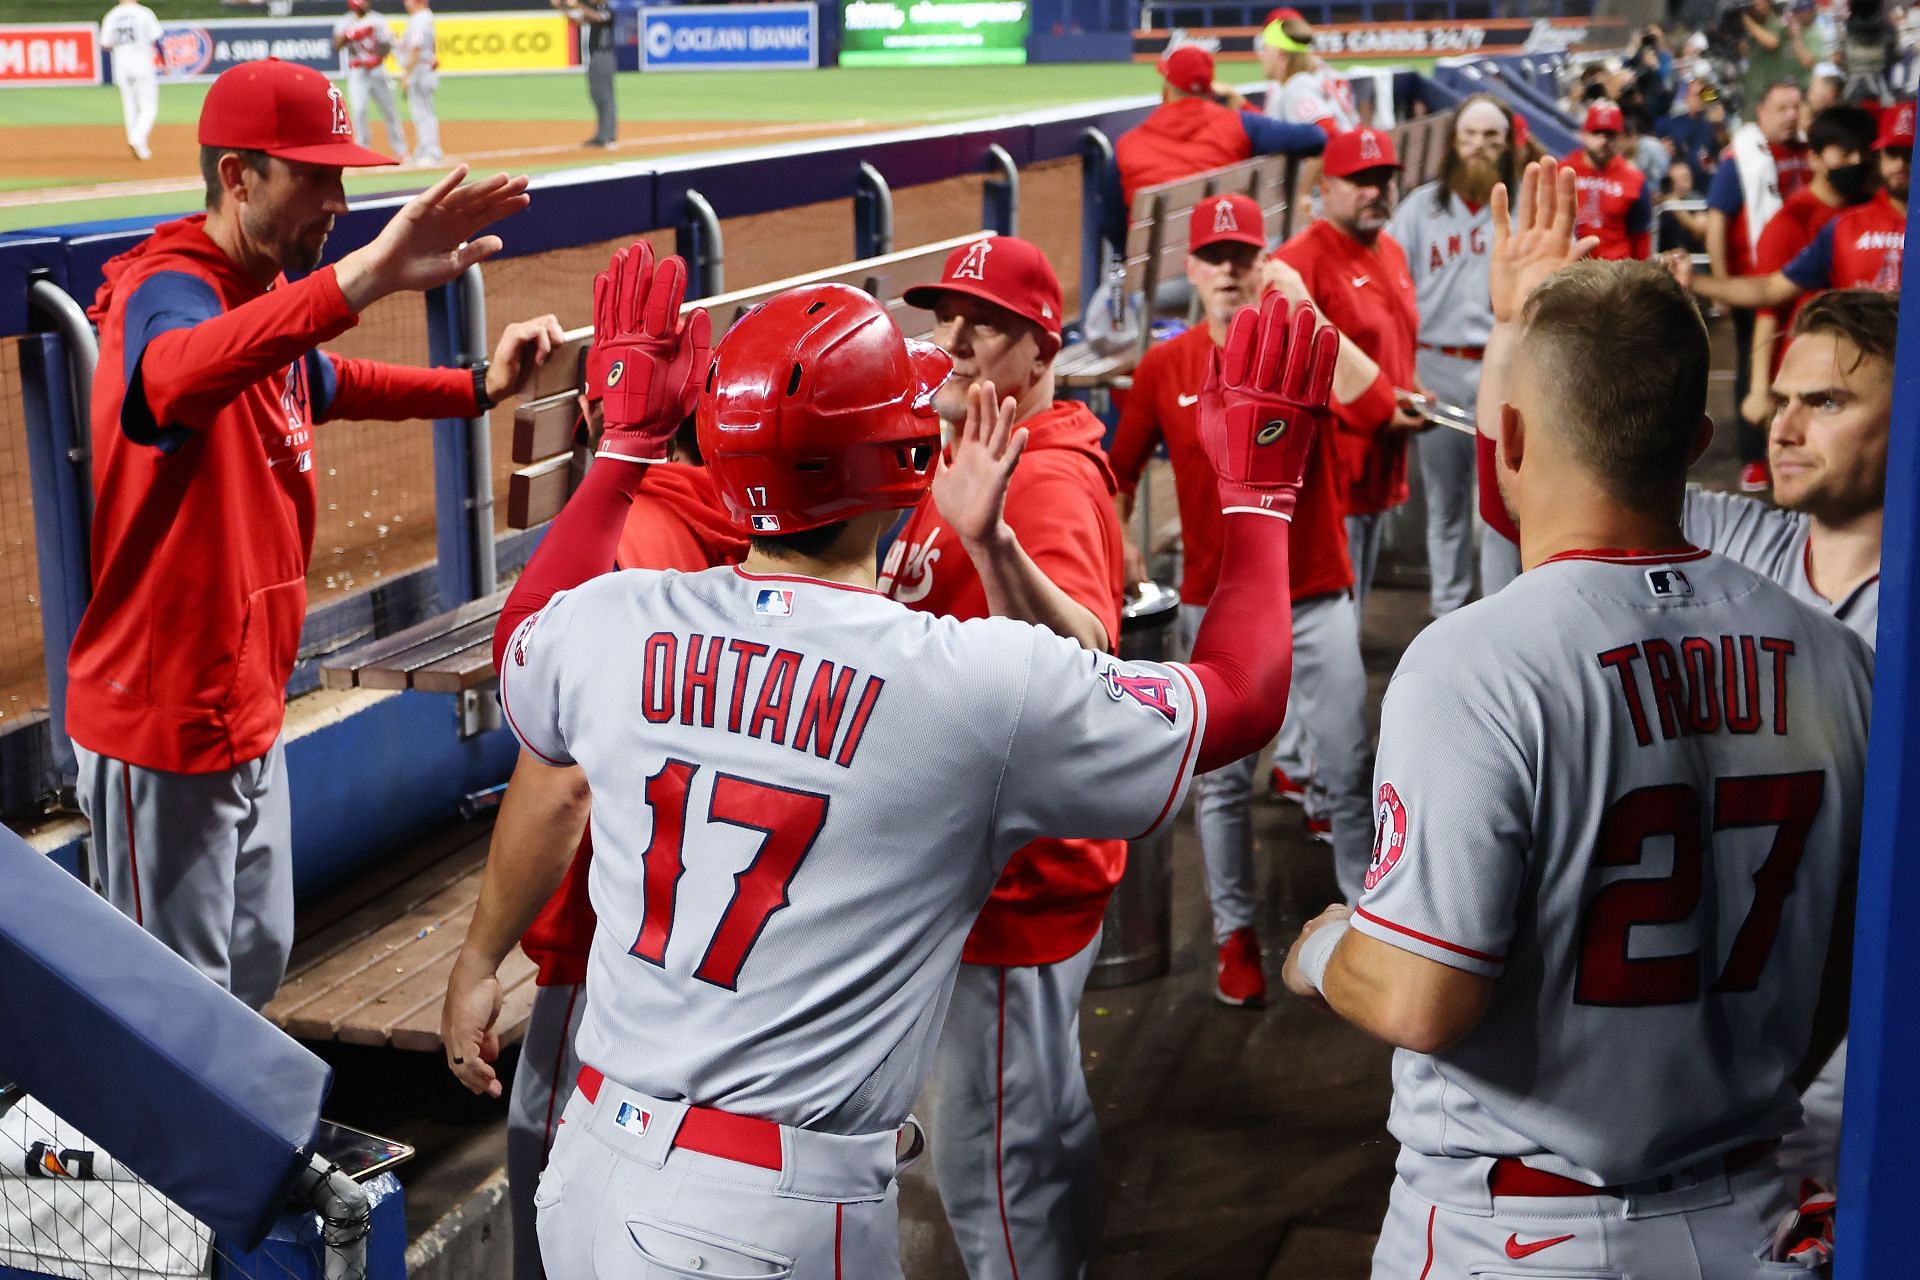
1668 584
633 1119
764 524
775 602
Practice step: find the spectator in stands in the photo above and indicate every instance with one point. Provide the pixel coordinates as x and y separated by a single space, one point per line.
1190 133
1777 49
1644 151
593 21
1302 88
1615 200
1827 86
1683 229
1698 130
1765 163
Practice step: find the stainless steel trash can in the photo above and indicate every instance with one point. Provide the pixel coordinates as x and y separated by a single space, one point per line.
1136 942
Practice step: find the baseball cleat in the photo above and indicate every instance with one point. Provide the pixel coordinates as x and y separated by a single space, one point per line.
1281 786
1238 978
1755 478
1320 829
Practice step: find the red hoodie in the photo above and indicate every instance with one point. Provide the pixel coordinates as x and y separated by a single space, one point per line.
204 496
676 522
1050 899
1179 139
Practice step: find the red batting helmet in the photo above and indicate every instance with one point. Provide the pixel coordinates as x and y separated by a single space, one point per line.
816 409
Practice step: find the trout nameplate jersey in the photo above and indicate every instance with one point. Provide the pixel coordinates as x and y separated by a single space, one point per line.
1773 543
1449 244
802 794
1627 787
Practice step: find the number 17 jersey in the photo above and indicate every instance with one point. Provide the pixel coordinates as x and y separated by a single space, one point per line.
802 794
1627 788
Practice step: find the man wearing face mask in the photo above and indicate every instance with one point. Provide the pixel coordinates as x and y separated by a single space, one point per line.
1358 276
1616 204
1013 1136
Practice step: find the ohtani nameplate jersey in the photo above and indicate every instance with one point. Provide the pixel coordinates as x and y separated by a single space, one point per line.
1628 787
802 794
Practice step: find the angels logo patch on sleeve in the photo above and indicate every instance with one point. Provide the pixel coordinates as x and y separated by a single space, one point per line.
1389 835
1154 692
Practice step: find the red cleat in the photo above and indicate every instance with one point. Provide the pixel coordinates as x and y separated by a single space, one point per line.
1281 786
1239 979
1321 829
1755 478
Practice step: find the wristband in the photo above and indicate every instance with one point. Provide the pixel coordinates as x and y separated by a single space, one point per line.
1373 406
1317 951
481 400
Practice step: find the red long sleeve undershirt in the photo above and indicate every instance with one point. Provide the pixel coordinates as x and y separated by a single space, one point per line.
1243 656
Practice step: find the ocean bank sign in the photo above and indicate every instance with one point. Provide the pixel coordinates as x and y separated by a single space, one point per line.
755 37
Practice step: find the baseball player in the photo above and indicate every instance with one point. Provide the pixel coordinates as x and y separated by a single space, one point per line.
1225 244
593 23
1603 971
1443 228
793 839
1013 1136
131 31
1302 88
677 522
1861 248
364 37
1358 275
420 63
1616 204
1765 163
209 384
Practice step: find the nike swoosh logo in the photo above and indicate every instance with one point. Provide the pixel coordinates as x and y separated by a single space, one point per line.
1187 400
1360 282
1516 1250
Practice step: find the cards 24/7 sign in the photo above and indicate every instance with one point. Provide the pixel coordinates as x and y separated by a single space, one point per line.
1345 42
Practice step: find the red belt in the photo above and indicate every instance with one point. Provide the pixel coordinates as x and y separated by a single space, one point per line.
1512 1178
1461 353
714 1133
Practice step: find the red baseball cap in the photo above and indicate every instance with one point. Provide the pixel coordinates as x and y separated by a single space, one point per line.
1188 68
1896 128
1604 117
1356 151
1285 15
1004 270
285 110
1226 219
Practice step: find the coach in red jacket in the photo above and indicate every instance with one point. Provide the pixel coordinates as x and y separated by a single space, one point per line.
208 388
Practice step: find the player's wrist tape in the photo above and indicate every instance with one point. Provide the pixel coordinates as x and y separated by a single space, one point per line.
1259 511
1317 951
628 457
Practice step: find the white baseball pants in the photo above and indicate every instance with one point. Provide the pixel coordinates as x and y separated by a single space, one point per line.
139 106
1012 1134
620 1200
375 87
202 861
542 1086
421 86
1329 693
1719 1229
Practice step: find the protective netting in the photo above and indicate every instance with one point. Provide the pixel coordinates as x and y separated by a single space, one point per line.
23 681
69 1210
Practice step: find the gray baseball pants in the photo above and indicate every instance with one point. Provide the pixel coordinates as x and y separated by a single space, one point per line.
542 1084
421 86
1448 478
202 861
1014 1144
1813 1150
1365 536
1329 692
606 111
376 88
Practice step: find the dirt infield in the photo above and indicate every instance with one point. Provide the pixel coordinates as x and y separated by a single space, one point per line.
80 161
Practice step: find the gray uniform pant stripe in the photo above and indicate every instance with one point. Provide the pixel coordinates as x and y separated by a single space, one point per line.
1012 1134
203 861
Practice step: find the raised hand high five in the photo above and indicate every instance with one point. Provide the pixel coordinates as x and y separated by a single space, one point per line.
1264 397
433 238
1538 241
645 364
970 482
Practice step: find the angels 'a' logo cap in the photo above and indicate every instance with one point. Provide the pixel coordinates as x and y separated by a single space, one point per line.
1356 151
1004 270
1234 219
285 110
1896 128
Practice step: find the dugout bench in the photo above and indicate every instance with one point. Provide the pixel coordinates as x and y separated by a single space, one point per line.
370 963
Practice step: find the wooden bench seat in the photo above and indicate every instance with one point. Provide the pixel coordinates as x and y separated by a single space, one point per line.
449 653
370 963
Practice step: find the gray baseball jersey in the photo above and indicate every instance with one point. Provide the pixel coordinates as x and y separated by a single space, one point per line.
1773 543
1308 97
421 40
369 41
1640 822
802 794
1449 246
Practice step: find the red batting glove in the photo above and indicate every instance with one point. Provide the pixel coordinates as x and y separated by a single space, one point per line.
644 366
1264 397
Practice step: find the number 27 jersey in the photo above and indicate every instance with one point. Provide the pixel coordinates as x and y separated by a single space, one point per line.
1628 788
802 795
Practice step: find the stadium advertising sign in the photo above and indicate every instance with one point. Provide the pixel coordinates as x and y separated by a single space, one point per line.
501 42
758 37
41 55
197 52
896 33
1389 40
